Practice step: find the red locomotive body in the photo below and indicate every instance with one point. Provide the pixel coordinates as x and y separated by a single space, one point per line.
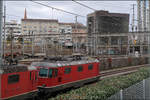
17 82
65 74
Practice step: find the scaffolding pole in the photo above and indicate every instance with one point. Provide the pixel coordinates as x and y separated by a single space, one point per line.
133 19
139 15
1 25
4 38
149 17
76 31
144 15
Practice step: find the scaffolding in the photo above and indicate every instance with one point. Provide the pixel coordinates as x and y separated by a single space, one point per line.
118 44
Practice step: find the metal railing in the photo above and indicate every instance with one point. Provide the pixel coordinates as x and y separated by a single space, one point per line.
139 91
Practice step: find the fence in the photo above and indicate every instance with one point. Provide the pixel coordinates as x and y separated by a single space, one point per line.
139 91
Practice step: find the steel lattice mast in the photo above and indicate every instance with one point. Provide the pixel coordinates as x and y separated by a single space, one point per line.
139 25
1 29
144 15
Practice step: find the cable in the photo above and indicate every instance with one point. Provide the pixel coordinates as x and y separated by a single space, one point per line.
83 5
58 9
13 15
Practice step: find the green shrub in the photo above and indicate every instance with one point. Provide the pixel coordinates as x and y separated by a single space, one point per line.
106 87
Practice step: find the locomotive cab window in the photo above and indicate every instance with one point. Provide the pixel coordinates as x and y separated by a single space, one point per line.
13 79
43 72
90 67
80 68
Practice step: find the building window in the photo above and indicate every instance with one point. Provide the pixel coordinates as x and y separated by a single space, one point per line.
90 67
13 79
67 70
80 68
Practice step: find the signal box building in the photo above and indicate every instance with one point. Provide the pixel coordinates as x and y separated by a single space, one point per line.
105 22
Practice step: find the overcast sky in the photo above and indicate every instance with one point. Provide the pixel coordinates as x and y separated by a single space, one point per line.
15 9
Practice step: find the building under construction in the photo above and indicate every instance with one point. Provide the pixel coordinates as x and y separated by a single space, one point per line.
105 22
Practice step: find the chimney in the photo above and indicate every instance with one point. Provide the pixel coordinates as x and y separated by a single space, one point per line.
25 14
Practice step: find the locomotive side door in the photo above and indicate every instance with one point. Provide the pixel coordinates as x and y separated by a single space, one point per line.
33 80
53 76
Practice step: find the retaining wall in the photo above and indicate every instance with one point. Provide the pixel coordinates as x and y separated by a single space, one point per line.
110 63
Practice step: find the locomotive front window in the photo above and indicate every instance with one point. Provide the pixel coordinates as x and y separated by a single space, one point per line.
43 72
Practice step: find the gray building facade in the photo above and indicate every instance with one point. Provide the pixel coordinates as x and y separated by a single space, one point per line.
105 22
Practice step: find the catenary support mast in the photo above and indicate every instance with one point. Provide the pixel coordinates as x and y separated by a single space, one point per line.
1 25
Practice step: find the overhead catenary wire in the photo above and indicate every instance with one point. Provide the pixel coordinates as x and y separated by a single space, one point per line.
84 5
58 9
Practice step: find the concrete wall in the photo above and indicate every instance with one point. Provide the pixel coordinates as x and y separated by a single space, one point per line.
106 63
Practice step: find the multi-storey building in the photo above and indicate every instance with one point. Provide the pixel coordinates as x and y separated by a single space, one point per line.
79 33
15 26
105 22
65 34
59 32
41 27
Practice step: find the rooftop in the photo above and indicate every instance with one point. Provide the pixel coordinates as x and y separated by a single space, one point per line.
40 20
62 61
107 13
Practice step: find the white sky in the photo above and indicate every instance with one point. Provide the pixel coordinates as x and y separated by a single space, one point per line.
15 9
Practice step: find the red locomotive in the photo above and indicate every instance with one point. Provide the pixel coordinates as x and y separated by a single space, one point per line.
17 82
55 76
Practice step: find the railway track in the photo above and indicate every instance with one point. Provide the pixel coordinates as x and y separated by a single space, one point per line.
121 71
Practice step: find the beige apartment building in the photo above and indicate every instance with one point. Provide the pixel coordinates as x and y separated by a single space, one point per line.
77 33
40 28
